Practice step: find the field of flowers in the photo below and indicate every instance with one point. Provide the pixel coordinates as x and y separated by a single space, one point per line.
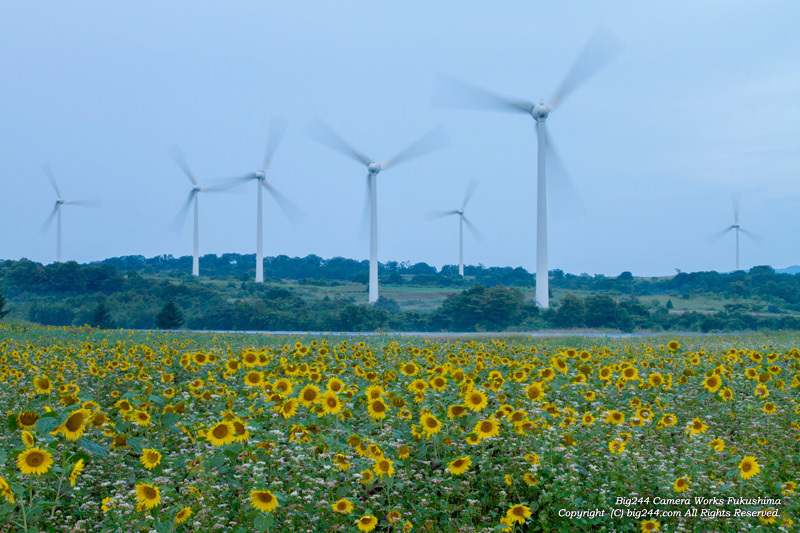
111 431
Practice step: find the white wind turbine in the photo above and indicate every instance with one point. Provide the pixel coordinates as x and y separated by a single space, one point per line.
322 133
737 228
462 220
277 128
56 212
600 49
194 195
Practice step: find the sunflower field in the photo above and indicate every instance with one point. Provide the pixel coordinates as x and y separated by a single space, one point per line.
115 431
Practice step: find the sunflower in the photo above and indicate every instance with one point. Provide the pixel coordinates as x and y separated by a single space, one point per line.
749 467
673 346
34 461
43 385
787 489
107 504
383 467
150 458
27 439
5 490
343 506
342 462
717 444
588 419
616 446
630 373
696 427
331 404
476 400
75 424
614 417
366 476
455 411
669 420
335 385
769 408
682 483
518 513
263 500
75 472
712 383
438 383
649 525
309 395
460 465
377 409
655 379
726 394
142 418
487 428
240 427
221 434
367 523
410 369
27 419
254 378
148 495
183 515
289 408
430 424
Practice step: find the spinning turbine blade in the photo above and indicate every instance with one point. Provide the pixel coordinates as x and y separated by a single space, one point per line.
758 239
602 47
94 204
180 218
433 215
471 227
451 92
562 185
470 190
322 133
432 141
718 235
49 220
292 212
177 156
49 172
276 130
736 199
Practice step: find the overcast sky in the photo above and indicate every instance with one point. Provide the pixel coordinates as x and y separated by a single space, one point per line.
703 102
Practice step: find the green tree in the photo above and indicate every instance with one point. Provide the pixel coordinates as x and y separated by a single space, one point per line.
571 313
170 316
3 311
101 317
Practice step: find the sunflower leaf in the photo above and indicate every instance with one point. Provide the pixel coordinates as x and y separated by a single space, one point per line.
46 425
12 423
263 523
92 447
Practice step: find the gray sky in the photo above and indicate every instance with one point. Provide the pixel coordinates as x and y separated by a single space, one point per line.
702 102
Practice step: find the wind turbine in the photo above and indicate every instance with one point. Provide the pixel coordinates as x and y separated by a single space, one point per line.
430 142
600 49
461 221
735 227
194 195
277 128
56 212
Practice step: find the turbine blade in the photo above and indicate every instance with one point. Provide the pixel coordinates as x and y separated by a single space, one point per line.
470 189
450 92
322 133
229 183
94 204
49 220
735 197
292 212
601 48
430 142
755 237
472 229
277 128
433 215
565 194
177 156
718 235
49 172
180 218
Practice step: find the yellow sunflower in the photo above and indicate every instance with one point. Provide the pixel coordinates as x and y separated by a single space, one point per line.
75 472
696 427
456 411
712 383
309 395
254 378
75 424
460 465
343 506
27 439
221 434
682 483
749 467
377 409
614 417
366 523
518 514
383 467
263 500
717 444
43 385
183 515
148 495
27 419
330 402
289 408
5 490
487 428
476 400
150 458
430 424
650 525
35 461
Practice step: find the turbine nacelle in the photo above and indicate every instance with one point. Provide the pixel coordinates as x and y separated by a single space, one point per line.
540 111
460 212
374 168
196 189
60 201
261 175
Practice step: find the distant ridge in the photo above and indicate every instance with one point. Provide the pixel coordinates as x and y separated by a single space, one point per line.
788 270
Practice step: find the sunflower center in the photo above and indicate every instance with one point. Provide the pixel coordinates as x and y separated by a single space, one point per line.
378 407
74 422
746 467
431 422
310 395
220 432
150 493
332 402
458 463
518 511
44 383
265 497
486 427
384 466
152 457
28 418
34 459
341 506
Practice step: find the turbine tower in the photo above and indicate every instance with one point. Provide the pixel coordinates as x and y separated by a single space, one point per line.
194 196
56 212
277 128
737 228
323 134
461 221
600 49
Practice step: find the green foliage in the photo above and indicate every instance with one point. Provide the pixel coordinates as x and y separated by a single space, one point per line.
170 316
101 317
3 310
